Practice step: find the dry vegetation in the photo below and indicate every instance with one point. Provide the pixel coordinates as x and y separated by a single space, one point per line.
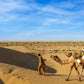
47 46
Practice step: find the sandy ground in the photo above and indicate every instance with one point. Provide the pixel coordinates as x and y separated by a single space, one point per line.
18 65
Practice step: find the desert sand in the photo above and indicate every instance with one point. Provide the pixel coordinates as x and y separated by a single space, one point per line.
18 65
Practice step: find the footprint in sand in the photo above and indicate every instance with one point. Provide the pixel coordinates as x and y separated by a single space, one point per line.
17 75
10 71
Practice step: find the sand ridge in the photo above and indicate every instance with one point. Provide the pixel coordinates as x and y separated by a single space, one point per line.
18 65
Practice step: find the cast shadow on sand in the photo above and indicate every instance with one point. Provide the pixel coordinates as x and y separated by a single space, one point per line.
52 74
76 80
1 82
26 60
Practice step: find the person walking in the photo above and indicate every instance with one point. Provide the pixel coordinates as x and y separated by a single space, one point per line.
42 66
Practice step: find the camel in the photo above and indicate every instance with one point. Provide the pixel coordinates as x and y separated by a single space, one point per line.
75 63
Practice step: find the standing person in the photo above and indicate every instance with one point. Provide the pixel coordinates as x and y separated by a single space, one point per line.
42 66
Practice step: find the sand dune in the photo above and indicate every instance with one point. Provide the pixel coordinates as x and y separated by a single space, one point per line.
18 65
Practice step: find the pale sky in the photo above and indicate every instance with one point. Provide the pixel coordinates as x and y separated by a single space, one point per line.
41 20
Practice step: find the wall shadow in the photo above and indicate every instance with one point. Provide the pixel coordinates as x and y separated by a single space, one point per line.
26 60
1 82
